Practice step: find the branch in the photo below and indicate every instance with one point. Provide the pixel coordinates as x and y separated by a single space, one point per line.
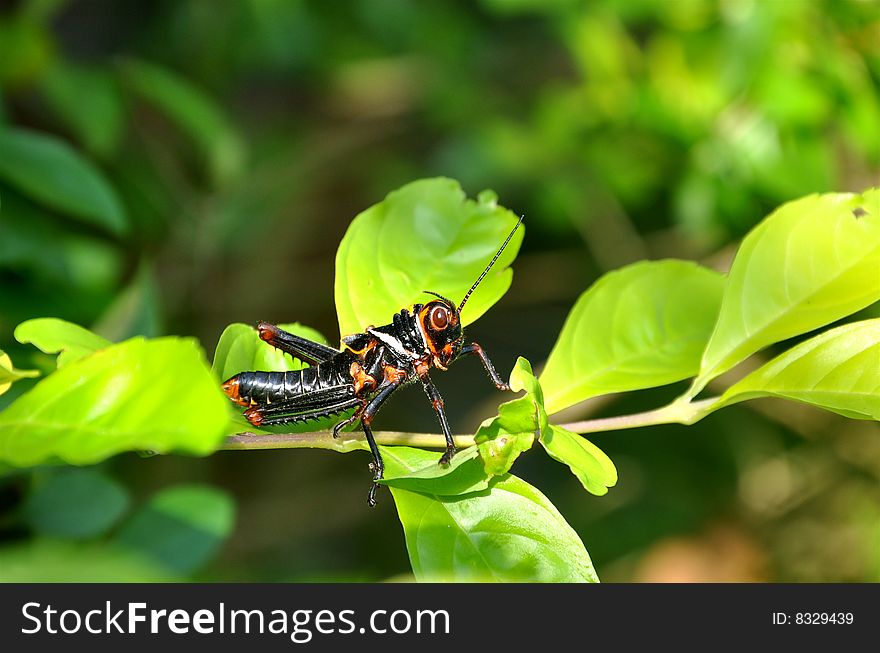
344 443
678 412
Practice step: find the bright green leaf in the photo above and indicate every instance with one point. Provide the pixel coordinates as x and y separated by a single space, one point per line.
508 533
523 378
423 236
193 112
593 468
502 439
8 374
812 261
642 326
52 173
838 370
75 504
181 527
155 395
498 447
463 475
51 335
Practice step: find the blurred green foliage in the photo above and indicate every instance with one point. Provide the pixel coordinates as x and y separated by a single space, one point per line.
207 158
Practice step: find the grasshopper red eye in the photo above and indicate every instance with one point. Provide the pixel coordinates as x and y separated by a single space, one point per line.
439 317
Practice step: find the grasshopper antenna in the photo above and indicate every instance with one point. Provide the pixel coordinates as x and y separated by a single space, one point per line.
491 263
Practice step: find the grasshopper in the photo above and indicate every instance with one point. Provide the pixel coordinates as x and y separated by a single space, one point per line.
367 369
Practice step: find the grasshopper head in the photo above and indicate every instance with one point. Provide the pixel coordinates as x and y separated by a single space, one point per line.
441 325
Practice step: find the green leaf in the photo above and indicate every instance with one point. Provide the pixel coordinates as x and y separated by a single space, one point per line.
464 474
75 504
52 173
838 370
155 395
26 48
193 112
9 375
526 419
88 101
423 236
51 335
593 468
812 261
502 439
46 561
508 533
642 326
241 350
181 527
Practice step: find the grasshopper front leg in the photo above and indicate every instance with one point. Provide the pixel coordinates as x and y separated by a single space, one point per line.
474 348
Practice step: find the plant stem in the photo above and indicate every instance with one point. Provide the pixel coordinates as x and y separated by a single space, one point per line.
344 443
678 412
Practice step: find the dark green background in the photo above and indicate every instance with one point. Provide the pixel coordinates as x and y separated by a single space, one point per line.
623 130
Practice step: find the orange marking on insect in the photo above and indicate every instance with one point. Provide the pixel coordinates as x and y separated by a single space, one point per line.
423 315
363 351
360 378
266 331
393 374
232 390
254 416
421 367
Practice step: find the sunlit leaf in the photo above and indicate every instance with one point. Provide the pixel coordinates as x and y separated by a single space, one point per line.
181 527
464 474
592 467
639 327
503 438
8 374
155 395
423 236
812 261
838 370
52 173
51 335
509 532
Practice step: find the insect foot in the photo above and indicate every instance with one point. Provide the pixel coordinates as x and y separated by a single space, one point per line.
446 458
378 470
337 429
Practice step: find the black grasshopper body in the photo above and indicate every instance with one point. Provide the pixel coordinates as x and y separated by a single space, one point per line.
364 372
